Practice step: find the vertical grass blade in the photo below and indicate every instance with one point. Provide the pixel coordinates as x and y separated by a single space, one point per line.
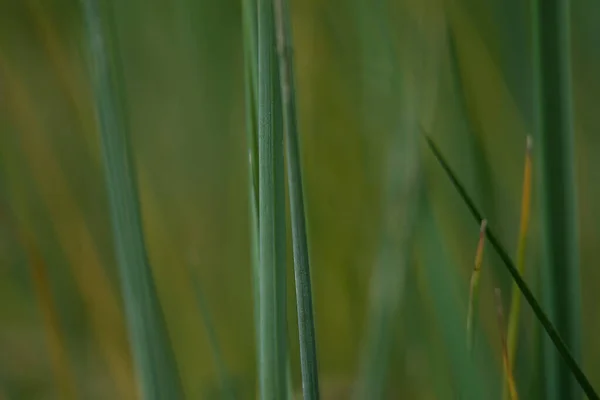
551 331
250 96
554 129
515 305
474 287
272 329
154 359
308 351
506 364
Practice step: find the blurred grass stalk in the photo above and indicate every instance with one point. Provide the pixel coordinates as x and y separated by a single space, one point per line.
249 8
508 375
63 374
273 358
474 287
82 256
308 351
65 378
154 359
561 288
515 305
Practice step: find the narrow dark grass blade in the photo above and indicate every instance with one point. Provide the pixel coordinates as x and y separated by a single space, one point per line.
304 304
273 323
154 359
221 369
554 134
539 313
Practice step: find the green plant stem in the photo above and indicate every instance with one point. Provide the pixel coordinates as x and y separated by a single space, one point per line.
306 329
553 334
561 288
272 283
153 356
515 305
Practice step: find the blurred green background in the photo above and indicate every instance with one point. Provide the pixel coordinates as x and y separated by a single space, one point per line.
367 73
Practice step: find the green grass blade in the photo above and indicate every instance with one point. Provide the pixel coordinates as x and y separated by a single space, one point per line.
250 60
304 304
553 116
539 313
474 287
272 294
515 305
154 359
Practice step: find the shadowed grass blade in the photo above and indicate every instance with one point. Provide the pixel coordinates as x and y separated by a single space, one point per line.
553 116
154 359
539 313
474 287
304 304
271 218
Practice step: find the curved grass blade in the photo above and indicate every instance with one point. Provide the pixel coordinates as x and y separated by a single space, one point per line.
539 313
272 294
306 329
154 359
474 288
515 305
508 375
553 116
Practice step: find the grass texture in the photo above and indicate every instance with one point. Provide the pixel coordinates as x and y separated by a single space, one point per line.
154 359
554 336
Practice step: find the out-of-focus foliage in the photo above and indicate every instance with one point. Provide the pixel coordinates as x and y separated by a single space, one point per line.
461 69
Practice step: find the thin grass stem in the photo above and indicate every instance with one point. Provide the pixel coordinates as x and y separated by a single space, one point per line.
474 287
304 305
553 334
506 364
515 305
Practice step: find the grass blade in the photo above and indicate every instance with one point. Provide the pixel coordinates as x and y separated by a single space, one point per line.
474 288
508 375
154 359
272 284
306 329
539 313
515 305
553 116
